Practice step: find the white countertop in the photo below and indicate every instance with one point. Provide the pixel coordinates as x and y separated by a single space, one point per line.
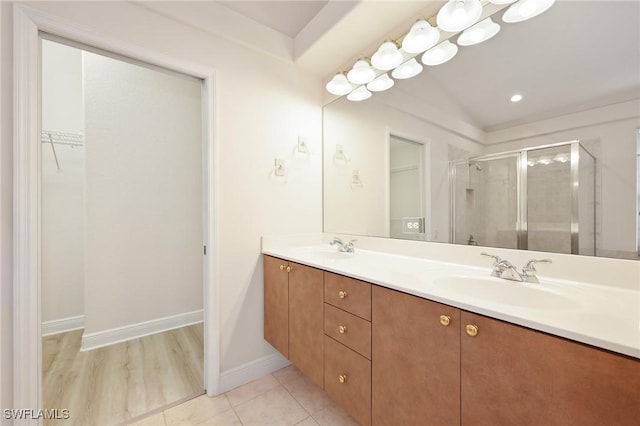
604 316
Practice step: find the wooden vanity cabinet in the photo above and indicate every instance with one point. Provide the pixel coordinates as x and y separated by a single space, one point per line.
293 314
390 358
482 371
415 360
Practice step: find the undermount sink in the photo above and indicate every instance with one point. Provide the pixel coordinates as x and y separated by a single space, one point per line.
505 292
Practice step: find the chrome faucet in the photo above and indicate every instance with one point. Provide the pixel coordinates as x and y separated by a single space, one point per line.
502 268
342 247
529 270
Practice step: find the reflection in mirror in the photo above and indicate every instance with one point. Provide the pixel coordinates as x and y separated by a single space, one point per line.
542 199
461 113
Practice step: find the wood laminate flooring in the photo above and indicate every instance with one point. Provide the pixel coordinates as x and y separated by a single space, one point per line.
116 383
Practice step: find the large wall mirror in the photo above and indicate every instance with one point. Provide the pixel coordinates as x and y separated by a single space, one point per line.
446 156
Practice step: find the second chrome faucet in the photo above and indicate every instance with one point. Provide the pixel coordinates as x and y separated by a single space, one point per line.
502 268
343 247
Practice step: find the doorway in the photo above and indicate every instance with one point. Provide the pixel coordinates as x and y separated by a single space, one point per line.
122 235
408 186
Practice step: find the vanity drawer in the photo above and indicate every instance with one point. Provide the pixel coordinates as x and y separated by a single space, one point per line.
348 294
347 380
348 329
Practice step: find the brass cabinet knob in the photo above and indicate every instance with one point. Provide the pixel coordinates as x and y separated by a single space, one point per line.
342 294
445 320
472 330
282 267
342 378
289 268
342 329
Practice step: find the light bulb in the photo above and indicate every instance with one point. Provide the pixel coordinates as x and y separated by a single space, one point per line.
361 73
526 9
387 56
480 32
457 15
381 83
360 94
421 36
339 85
440 54
409 69
516 98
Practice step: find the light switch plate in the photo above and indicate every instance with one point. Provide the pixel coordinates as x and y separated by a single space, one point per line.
279 167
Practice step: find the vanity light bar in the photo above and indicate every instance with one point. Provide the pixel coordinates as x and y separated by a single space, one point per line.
428 37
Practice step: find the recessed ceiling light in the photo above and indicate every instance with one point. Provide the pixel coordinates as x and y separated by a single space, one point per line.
516 98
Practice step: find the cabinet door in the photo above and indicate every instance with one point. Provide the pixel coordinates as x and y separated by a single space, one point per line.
506 379
306 324
415 361
513 375
592 386
276 304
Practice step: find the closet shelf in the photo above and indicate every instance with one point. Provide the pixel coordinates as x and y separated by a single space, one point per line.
62 138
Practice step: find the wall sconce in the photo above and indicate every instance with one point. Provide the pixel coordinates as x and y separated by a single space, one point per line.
339 157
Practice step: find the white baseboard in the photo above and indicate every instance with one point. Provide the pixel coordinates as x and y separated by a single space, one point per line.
134 331
62 325
251 371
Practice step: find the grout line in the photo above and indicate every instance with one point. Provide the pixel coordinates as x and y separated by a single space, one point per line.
296 400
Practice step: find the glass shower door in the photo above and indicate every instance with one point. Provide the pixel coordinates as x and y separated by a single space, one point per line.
560 200
486 202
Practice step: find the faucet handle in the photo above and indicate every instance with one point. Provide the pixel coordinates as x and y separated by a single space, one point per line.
530 266
496 259
335 240
529 270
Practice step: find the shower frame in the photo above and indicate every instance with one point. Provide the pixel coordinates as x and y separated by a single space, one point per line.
522 166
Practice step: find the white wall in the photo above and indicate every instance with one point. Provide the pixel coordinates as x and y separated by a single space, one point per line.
144 237
63 217
262 105
6 205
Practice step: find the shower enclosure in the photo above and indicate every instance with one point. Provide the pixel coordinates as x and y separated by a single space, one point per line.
540 198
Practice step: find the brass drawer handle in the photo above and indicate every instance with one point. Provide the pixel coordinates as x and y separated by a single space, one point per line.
342 378
342 294
472 330
289 268
282 267
342 329
445 320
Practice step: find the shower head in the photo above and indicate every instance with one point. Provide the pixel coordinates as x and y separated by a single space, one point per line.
476 165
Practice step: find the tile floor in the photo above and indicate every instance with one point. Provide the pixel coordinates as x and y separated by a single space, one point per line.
285 397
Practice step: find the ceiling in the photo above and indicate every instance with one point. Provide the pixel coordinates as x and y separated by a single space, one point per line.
286 17
560 64
577 55
320 37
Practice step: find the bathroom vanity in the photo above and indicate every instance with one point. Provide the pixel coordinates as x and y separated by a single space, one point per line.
394 340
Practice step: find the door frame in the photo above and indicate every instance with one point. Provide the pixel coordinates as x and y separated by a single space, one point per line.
27 342
425 178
